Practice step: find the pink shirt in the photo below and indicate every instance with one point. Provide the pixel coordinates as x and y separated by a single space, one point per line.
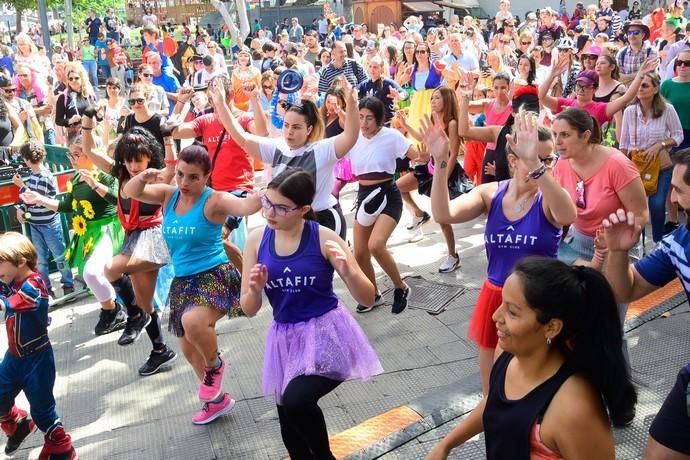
496 118
601 190
595 109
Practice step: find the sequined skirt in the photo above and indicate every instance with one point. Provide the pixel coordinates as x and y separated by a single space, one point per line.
217 288
332 345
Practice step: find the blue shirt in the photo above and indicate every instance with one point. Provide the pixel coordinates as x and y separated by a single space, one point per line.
668 261
101 46
26 315
467 61
195 244
169 84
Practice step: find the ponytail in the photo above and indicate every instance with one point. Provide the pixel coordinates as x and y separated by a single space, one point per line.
592 337
308 110
581 121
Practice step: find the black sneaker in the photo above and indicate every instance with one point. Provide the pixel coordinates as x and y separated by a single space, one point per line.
418 221
400 296
157 361
24 429
133 328
378 300
110 320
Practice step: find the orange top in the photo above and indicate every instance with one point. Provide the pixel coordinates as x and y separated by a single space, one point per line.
240 77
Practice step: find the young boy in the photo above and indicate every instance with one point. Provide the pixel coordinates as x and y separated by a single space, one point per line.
45 225
28 364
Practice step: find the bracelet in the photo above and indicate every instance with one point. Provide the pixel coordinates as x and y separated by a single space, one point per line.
170 162
537 173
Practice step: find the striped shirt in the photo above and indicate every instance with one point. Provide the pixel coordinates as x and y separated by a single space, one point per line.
353 72
44 183
668 261
639 133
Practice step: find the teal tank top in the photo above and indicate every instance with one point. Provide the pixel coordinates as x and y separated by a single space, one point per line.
195 244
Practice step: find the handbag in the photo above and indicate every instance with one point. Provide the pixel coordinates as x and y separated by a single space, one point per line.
649 170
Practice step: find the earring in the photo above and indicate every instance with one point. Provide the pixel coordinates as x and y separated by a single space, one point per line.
548 340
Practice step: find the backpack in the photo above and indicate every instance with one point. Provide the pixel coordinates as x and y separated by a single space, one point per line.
624 51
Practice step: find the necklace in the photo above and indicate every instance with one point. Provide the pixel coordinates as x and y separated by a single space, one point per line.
520 206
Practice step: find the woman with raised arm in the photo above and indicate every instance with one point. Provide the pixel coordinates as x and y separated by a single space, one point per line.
525 216
313 343
134 269
559 380
302 146
206 286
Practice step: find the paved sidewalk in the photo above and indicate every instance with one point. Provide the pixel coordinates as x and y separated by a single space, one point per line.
112 413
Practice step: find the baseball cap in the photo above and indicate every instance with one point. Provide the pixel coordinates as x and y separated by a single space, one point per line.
589 77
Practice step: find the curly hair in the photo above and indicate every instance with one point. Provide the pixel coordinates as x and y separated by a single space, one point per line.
136 144
77 68
33 151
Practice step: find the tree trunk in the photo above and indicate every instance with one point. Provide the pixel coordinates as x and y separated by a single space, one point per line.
19 21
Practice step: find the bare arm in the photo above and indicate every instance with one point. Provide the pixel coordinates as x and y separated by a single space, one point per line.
139 188
339 255
348 138
18 128
100 159
547 100
225 204
614 106
260 124
250 296
467 130
249 142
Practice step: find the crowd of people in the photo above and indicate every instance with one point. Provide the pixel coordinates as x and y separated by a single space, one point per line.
566 133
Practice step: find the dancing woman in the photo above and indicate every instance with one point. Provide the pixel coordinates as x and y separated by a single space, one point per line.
206 286
313 343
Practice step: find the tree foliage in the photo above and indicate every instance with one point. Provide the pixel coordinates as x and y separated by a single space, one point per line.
80 8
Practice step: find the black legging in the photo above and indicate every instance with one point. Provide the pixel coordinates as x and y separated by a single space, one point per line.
302 425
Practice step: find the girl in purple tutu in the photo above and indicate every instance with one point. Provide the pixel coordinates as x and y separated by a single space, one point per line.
313 343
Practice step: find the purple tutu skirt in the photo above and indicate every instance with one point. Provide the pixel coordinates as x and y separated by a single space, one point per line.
343 170
331 345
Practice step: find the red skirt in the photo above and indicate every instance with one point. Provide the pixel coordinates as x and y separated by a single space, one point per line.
482 328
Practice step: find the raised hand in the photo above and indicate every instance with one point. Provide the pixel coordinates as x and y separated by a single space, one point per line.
87 176
525 140
150 175
339 258
258 276
435 139
621 231
216 92
649 65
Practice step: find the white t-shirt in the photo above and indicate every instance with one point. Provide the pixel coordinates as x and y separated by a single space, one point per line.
317 158
202 77
379 153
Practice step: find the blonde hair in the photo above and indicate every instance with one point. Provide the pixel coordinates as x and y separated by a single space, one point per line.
76 67
22 38
15 248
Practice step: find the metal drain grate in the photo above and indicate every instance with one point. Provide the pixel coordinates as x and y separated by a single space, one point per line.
427 295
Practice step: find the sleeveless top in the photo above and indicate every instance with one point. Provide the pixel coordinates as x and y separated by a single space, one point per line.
195 244
496 118
508 241
508 423
299 286
333 129
129 211
606 98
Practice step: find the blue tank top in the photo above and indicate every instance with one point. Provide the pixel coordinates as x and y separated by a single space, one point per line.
508 241
299 286
195 244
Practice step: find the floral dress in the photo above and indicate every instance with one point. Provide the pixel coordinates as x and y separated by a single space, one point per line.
93 217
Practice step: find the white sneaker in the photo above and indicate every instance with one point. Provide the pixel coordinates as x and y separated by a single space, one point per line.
418 235
450 264
417 222
378 300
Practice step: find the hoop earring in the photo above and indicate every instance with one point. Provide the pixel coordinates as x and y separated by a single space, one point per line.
548 340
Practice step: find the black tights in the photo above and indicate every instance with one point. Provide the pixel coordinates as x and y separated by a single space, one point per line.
302 425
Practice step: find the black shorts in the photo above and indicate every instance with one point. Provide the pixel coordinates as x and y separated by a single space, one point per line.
394 204
671 426
334 219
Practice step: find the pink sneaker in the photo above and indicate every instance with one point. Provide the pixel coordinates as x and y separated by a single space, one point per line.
210 387
212 411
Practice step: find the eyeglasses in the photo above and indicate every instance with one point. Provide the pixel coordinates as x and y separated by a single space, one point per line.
138 100
682 63
579 87
278 209
634 32
73 156
74 78
590 57
580 201
147 75
549 161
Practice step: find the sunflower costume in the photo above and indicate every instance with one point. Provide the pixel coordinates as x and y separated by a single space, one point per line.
93 217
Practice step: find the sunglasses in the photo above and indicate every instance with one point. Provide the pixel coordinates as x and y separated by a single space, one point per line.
22 74
285 105
267 87
549 161
590 57
198 62
138 100
278 209
580 195
420 52
682 63
74 78
525 43
9 90
634 32
147 75
647 85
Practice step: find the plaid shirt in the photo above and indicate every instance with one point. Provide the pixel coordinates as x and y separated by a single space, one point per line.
630 61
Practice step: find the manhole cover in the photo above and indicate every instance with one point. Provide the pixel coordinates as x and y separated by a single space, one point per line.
428 295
